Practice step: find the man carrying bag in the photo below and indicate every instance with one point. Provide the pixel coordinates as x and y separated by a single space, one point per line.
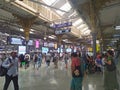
11 64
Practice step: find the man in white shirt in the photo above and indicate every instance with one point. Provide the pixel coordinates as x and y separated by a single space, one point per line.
11 64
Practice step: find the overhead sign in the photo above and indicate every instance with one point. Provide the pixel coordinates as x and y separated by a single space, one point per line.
16 41
62 25
63 31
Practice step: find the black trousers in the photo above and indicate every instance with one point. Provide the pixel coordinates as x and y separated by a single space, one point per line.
8 80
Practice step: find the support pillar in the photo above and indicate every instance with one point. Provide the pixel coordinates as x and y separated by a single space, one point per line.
94 44
59 42
73 43
101 46
93 26
73 46
26 25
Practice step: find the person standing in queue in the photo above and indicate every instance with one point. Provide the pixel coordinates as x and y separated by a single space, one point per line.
11 63
77 75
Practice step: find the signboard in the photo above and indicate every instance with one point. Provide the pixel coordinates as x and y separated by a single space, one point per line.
63 31
21 50
16 41
51 44
45 44
62 25
30 42
68 50
55 45
37 43
45 50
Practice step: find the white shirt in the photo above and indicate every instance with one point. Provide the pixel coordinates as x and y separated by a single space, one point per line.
27 56
13 70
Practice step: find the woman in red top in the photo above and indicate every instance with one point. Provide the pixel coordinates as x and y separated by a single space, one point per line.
76 83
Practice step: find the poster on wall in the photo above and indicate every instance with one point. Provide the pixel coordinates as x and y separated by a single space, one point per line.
55 45
37 43
21 50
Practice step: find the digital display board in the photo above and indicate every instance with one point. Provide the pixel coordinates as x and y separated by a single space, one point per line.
66 24
45 44
68 50
63 31
21 49
37 43
45 50
51 44
15 41
55 45
30 42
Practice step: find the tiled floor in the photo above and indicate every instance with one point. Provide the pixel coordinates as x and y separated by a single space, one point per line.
48 78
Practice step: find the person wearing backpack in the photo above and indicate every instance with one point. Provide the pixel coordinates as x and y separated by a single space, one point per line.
27 60
11 63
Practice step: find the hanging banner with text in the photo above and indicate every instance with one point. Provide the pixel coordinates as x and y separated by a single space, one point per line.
67 24
63 31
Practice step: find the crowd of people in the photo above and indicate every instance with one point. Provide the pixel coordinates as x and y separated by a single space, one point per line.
103 63
81 64
37 58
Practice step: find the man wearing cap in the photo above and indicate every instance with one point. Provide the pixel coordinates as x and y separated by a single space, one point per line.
11 63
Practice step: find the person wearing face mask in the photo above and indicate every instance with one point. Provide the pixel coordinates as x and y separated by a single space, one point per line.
11 63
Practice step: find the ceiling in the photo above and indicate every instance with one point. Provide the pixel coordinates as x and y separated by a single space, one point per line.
107 16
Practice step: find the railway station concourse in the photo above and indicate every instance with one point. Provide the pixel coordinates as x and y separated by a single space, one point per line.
90 27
